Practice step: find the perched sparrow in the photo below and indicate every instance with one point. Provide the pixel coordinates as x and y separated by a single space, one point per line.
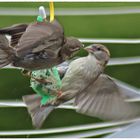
42 45
96 94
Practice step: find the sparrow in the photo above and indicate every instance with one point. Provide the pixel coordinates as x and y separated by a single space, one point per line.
95 93
42 45
80 73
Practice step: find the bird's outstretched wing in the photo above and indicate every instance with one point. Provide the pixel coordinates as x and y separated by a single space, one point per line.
15 31
41 37
106 98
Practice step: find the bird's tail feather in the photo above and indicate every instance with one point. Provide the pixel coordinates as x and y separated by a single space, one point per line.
38 113
6 52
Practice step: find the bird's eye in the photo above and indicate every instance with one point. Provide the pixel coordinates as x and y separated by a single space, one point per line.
98 49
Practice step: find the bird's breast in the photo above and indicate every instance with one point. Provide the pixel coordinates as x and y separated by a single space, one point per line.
92 68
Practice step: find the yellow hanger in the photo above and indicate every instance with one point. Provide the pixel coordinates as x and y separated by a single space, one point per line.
51 11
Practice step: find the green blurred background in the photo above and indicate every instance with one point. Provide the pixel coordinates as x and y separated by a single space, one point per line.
120 26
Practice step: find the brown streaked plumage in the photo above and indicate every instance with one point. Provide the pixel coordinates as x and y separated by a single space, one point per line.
40 46
95 93
80 73
15 31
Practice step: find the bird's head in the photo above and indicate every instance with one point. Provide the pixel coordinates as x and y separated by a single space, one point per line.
71 46
101 53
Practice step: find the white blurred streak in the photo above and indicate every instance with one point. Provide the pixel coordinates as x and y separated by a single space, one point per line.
133 100
110 40
113 62
124 61
12 104
130 131
22 104
129 87
92 133
69 1
67 129
105 40
73 11
69 104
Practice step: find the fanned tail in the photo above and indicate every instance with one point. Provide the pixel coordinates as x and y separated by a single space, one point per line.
38 113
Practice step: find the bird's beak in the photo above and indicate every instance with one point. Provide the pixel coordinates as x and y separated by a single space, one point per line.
77 48
89 49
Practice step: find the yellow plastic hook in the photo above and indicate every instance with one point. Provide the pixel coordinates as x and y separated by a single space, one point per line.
51 11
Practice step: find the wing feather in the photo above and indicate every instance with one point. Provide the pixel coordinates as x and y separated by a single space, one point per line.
105 98
40 37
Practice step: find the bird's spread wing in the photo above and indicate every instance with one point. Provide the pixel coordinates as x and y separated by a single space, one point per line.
15 31
105 99
4 41
39 37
